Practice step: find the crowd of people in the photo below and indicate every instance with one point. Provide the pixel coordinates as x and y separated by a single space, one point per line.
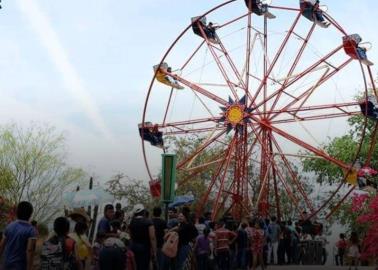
144 242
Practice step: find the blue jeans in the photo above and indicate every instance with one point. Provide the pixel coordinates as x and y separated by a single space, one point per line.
183 253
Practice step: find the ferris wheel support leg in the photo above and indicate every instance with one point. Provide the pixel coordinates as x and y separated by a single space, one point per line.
276 194
220 191
293 175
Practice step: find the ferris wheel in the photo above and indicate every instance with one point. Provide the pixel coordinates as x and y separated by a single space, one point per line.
267 86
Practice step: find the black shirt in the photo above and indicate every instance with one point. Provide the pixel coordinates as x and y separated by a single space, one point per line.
187 232
160 226
139 231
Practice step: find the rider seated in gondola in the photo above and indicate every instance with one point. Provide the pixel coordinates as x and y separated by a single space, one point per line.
353 48
162 76
311 10
259 7
199 26
369 107
151 133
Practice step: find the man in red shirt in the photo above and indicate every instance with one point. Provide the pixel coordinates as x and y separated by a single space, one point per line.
223 239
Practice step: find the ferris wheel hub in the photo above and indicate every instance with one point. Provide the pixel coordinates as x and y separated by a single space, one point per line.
235 114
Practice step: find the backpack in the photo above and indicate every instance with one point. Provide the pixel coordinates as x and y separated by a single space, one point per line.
82 249
170 246
58 254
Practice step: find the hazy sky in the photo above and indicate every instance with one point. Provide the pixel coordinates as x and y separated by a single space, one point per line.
84 66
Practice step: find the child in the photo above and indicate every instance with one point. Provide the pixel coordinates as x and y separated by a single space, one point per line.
353 250
341 246
258 241
202 249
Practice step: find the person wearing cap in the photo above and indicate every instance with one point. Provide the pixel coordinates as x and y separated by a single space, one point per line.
143 239
104 224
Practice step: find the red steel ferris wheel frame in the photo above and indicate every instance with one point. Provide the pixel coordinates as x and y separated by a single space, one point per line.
263 121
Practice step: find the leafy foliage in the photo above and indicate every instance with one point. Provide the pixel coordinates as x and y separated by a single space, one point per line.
369 219
134 191
33 168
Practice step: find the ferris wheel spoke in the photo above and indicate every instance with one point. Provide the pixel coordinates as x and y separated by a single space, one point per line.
334 209
317 112
196 87
287 188
306 146
215 176
300 75
277 56
200 149
222 70
295 62
305 96
223 178
182 131
297 119
194 171
292 174
192 56
190 122
234 20
248 51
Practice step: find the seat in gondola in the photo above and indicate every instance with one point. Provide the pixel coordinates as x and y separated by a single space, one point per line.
353 48
150 132
163 72
369 107
311 10
259 7
200 28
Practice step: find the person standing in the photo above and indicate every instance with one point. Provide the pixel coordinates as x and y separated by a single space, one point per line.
160 230
242 247
43 233
341 246
172 218
258 240
274 231
223 239
83 246
104 224
324 242
202 250
143 239
353 250
18 243
187 234
60 251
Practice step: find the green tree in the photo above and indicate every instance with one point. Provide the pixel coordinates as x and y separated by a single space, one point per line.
33 168
134 191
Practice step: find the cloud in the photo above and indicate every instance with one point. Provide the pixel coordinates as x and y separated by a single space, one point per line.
50 40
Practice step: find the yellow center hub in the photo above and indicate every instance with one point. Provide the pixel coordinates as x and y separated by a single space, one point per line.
234 114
